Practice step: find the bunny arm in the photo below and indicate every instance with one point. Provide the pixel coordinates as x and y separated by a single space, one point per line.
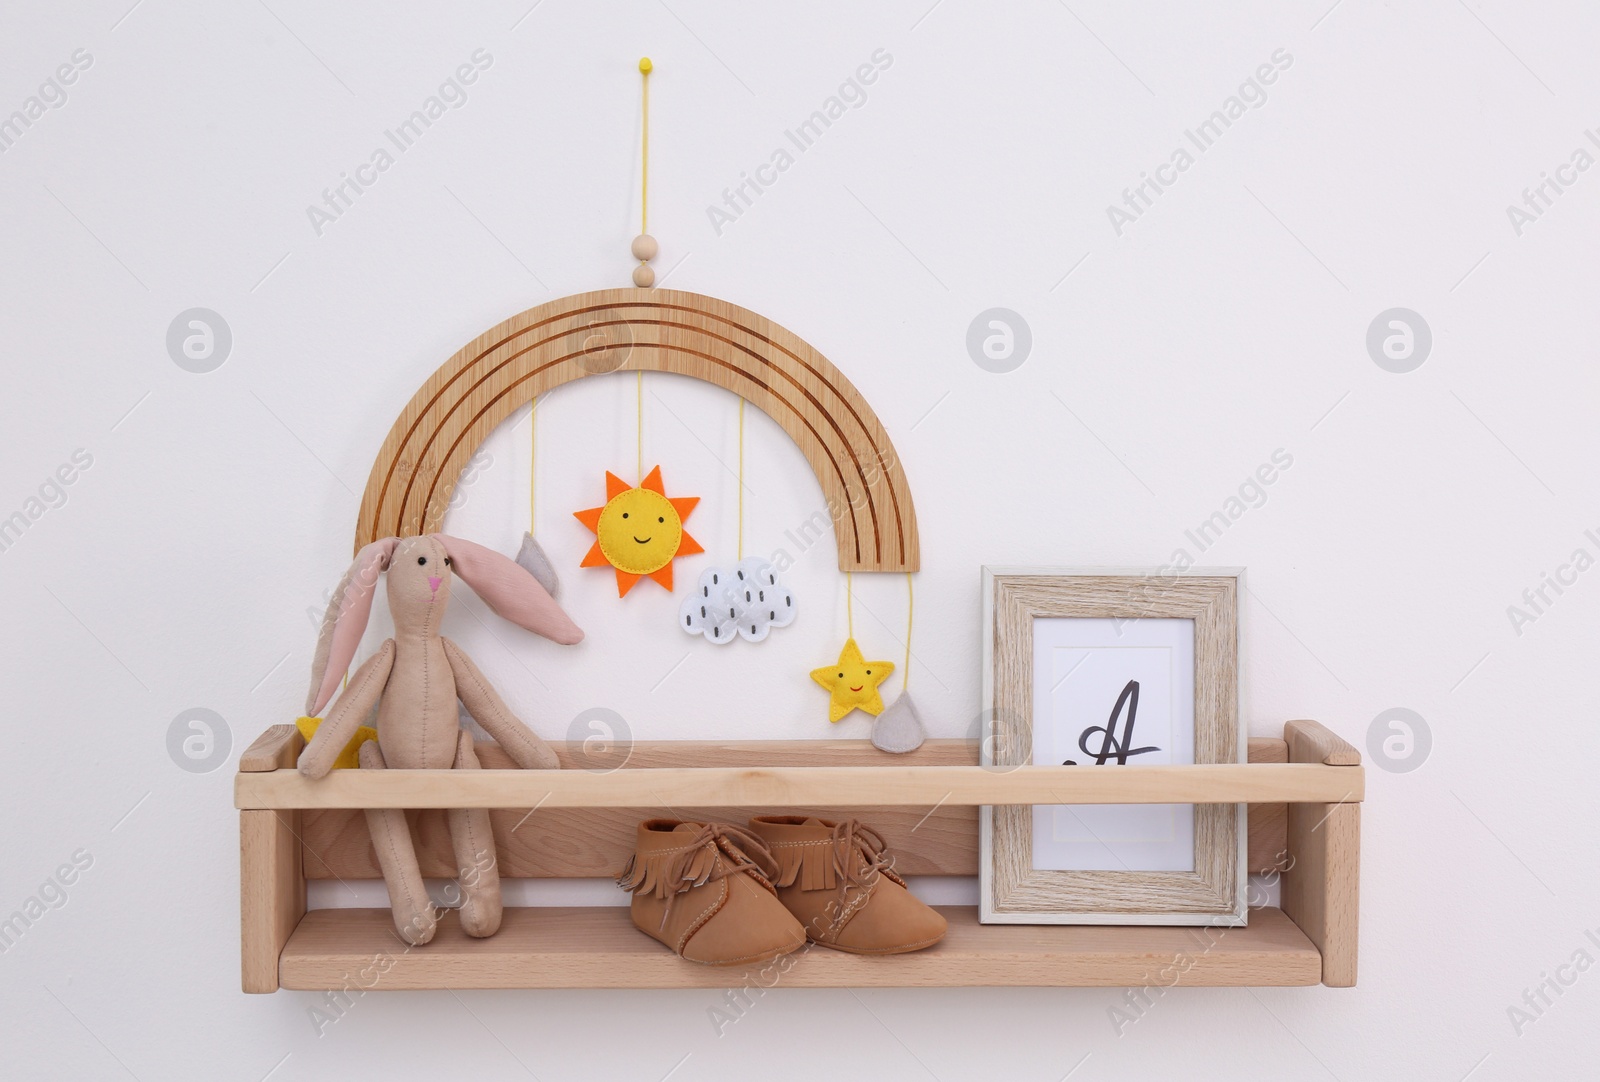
490 711
357 701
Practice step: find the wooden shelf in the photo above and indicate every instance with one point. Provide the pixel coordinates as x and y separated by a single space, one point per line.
600 948
1304 823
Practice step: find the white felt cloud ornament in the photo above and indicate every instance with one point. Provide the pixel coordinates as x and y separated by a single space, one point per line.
747 600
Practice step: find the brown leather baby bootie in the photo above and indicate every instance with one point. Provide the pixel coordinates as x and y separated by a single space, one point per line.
835 878
705 890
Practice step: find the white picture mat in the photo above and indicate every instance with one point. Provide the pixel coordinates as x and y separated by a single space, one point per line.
1081 666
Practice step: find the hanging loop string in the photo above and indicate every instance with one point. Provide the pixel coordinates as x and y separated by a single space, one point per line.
741 479
533 506
644 245
850 604
905 675
645 67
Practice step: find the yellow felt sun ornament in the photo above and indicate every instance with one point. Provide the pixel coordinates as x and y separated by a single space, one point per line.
853 682
639 531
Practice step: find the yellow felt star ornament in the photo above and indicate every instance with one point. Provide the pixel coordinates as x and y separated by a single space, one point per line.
350 756
853 683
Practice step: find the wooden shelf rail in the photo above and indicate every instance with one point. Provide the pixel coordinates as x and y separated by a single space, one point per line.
802 786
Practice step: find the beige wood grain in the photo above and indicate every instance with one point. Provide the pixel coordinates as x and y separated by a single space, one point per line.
272 893
278 747
600 948
660 330
1322 886
1268 823
1321 889
595 842
555 843
1313 742
1012 889
651 754
795 787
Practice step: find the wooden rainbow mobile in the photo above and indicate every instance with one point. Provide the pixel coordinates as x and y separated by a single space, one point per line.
639 530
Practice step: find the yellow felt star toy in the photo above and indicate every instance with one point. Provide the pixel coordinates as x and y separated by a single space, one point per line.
350 756
853 682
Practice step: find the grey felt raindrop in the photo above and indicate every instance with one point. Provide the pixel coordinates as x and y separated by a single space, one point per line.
531 558
899 728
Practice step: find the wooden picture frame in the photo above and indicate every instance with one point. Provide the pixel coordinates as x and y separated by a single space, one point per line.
1012 890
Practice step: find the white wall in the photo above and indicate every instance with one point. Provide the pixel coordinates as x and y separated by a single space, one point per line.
1227 322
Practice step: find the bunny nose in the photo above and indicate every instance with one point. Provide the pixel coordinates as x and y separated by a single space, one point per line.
433 582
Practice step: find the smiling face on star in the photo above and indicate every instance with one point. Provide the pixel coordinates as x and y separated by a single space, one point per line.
856 677
639 531
852 682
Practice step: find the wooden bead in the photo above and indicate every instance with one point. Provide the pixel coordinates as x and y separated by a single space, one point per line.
645 247
643 276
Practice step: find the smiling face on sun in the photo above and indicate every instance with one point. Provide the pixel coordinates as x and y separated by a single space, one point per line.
639 531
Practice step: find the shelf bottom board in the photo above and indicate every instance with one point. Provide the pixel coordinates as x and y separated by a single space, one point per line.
599 947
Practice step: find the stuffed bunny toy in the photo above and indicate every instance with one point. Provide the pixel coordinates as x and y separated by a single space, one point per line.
414 680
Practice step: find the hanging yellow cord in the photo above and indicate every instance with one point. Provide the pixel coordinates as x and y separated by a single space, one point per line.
850 604
644 153
741 478
905 677
644 227
533 410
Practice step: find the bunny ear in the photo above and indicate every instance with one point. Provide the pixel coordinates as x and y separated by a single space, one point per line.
346 621
509 590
